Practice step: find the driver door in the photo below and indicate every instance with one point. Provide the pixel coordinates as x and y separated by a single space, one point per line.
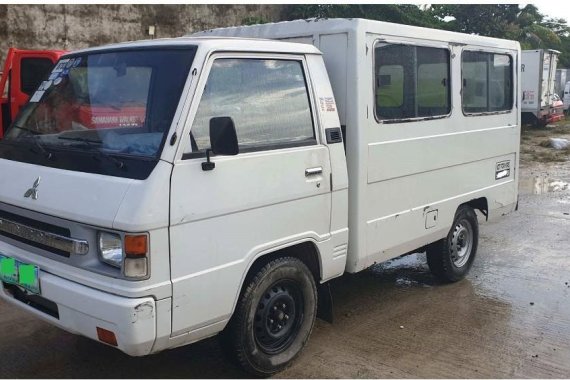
276 191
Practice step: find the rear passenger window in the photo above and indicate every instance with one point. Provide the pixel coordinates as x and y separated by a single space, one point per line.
411 82
487 82
266 98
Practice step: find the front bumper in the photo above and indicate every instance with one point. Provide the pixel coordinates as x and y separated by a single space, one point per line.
80 310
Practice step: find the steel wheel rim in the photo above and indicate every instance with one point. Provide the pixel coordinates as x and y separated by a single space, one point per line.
461 243
278 316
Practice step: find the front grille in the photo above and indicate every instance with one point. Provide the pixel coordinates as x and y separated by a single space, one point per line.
37 225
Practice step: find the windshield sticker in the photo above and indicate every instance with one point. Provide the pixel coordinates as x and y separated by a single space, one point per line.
53 76
57 81
77 62
60 66
45 85
64 73
70 63
37 96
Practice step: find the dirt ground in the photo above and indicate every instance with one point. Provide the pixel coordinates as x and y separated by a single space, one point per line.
537 155
509 318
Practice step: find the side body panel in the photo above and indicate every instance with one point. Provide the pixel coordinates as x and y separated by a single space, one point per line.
400 173
420 169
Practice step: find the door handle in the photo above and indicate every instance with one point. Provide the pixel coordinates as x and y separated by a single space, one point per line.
313 171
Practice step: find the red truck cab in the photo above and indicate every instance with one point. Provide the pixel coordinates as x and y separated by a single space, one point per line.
23 72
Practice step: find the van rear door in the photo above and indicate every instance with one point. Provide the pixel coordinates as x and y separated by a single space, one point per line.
566 98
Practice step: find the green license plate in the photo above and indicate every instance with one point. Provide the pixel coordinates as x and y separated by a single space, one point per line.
24 275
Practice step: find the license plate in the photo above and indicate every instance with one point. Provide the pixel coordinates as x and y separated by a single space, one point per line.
18 273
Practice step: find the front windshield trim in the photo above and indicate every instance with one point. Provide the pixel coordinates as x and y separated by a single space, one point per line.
119 49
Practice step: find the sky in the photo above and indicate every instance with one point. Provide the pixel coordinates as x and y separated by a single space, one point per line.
558 9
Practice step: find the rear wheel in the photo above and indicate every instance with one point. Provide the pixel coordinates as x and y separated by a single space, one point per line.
274 317
450 259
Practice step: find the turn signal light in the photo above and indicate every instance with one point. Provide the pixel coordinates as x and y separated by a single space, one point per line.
106 336
136 245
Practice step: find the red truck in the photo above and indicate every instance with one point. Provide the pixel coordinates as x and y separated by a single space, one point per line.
23 72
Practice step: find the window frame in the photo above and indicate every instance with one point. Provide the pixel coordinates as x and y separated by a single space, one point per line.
512 76
316 140
435 45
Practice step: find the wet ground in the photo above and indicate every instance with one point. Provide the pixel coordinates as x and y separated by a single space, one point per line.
509 318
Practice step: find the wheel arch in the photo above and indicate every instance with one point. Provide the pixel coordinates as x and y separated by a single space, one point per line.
480 204
305 250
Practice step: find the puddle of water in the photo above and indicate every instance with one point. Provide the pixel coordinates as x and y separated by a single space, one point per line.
406 271
541 185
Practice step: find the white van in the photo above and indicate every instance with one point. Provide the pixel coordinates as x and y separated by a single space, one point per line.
156 193
538 74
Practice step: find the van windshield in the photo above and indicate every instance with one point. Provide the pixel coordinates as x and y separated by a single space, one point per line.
114 105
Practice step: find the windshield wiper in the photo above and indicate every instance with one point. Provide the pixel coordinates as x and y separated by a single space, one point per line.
40 146
93 144
30 131
81 139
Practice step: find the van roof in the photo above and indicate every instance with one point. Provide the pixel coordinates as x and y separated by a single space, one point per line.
213 43
296 28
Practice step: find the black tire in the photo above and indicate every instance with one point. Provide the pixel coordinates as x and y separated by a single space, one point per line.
282 293
446 258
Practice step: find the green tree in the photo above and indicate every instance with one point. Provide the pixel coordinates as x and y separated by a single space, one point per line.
536 31
408 14
493 20
526 25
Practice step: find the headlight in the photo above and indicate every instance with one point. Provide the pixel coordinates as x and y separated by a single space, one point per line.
111 248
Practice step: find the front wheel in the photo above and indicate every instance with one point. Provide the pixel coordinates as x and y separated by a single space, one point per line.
451 258
274 317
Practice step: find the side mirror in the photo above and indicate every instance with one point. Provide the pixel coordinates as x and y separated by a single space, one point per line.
223 140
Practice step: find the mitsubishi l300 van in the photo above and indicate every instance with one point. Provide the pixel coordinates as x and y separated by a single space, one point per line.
156 193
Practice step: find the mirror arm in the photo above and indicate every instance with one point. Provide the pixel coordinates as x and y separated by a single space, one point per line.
208 165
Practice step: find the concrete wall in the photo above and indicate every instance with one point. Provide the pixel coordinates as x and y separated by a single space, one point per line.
78 26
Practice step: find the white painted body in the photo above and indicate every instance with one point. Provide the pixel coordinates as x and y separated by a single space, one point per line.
566 96
399 172
206 229
538 74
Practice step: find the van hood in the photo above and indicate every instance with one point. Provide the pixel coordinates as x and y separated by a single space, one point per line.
83 197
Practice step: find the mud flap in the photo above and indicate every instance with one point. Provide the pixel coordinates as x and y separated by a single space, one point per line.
325 303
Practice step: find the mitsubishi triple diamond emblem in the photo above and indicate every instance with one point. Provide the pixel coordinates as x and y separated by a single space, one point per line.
32 192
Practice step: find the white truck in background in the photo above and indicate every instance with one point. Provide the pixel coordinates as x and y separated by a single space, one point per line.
540 104
562 76
235 180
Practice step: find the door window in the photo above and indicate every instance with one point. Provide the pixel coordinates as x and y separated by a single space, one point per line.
266 98
32 72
